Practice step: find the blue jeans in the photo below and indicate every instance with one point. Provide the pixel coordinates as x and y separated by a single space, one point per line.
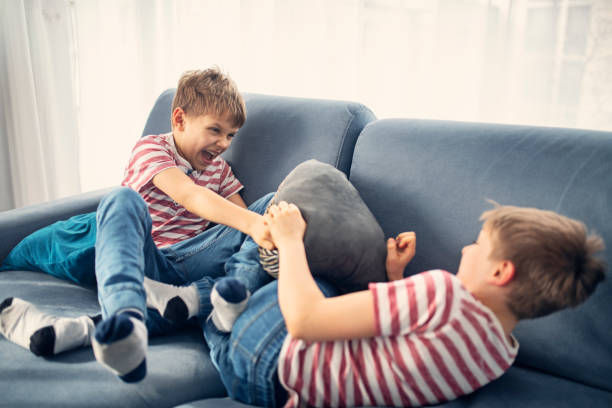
114 250
121 263
247 358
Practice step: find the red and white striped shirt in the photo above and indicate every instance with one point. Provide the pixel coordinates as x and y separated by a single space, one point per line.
172 223
434 343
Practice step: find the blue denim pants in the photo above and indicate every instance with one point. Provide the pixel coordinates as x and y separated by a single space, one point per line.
247 358
125 253
113 250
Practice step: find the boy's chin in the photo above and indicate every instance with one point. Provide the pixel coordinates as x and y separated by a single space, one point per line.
201 164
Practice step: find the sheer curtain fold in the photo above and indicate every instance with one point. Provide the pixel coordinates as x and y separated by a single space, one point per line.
40 112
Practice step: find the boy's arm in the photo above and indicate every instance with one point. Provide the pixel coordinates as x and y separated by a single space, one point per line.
308 314
211 206
237 199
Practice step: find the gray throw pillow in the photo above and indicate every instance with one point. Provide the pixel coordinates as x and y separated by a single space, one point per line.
344 242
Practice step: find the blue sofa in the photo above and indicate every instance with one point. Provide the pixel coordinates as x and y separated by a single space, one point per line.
432 177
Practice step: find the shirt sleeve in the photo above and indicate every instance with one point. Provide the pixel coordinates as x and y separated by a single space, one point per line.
229 184
417 303
149 157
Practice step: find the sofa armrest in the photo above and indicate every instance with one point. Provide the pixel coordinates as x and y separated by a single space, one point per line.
18 223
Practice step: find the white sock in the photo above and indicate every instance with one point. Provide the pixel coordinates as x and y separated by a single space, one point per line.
229 298
120 344
44 334
176 303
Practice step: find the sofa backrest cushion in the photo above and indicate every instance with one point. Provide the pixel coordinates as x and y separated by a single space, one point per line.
434 177
280 133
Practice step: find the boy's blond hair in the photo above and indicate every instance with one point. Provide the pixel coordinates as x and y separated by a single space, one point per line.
210 91
553 256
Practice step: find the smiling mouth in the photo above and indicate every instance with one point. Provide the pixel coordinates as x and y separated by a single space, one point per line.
209 155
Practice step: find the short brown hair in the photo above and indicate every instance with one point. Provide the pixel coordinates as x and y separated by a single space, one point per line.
210 91
553 256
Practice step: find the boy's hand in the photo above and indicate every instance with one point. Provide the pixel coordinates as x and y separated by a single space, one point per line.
260 232
400 251
285 222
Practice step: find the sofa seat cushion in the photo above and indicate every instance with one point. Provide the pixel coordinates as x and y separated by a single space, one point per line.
519 387
179 367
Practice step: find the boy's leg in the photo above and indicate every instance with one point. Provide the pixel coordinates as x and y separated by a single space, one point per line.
123 245
207 253
124 252
123 214
227 293
247 358
64 249
244 266
199 258
184 302
229 298
45 334
230 252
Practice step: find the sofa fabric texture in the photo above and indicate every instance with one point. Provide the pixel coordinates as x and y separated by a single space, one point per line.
432 177
449 170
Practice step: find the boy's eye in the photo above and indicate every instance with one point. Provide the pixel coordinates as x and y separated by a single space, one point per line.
215 130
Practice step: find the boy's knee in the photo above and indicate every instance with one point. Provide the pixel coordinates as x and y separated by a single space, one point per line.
124 199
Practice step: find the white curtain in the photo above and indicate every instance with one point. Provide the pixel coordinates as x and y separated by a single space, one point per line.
539 62
38 82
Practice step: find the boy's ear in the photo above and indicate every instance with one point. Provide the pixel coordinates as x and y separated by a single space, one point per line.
178 118
503 274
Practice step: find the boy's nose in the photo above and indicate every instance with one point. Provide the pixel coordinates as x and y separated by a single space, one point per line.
224 143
